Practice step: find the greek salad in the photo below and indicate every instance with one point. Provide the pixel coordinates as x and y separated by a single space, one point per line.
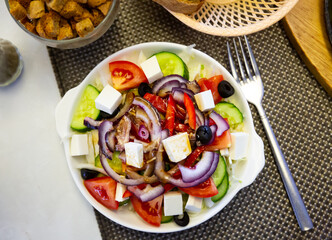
158 138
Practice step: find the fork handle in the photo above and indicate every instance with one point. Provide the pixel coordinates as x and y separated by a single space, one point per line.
294 196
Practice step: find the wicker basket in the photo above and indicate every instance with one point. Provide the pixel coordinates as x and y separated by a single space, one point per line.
236 17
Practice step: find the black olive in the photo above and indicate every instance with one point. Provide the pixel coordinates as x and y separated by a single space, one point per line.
225 89
182 221
88 174
204 134
144 88
105 115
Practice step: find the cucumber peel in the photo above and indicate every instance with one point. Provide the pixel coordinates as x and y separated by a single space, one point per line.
220 171
230 111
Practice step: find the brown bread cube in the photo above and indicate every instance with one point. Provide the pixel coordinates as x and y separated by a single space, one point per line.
73 26
84 27
95 3
36 9
66 31
24 3
30 25
40 27
81 1
71 9
56 5
52 24
97 17
85 14
104 8
17 10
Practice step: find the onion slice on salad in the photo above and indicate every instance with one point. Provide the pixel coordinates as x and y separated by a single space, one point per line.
159 84
119 178
148 193
110 140
143 132
145 179
199 170
199 117
213 130
91 123
166 177
168 87
222 124
104 128
126 106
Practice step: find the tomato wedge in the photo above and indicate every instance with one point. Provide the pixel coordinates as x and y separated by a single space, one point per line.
170 115
126 75
149 211
103 190
157 102
211 84
203 190
223 141
188 103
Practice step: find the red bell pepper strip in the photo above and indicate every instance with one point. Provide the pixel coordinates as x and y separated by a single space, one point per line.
157 102
170 115
127 194
188 103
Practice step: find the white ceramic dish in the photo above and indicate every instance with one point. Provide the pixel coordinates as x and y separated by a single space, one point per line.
250 169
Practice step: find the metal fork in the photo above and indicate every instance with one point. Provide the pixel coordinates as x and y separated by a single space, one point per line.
252 87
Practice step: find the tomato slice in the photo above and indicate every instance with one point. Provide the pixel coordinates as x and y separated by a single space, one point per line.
223 141
126 75
188 103
170 115
149 211
203 190
157 102
194 155
103 190
127 194
211 84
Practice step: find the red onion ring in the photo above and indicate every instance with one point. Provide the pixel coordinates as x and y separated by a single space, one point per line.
222 124
148 193
213 130
103 129
91 123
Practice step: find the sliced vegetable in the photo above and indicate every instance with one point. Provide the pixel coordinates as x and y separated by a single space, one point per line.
221 142
149 211
166 219
103 190
188 103
225 89
182 221
170 115
211 84
85 108
222 124
126 75
88 173
222 189
220 172
103 129
148 193
157 102
165 81
203 190
170 63
229 111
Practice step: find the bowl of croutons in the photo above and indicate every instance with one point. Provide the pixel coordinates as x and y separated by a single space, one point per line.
64 24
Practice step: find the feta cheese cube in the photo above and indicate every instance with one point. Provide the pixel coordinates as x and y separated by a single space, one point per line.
194 204
208 202
134 154
205 100
177 147
120 190
152 69
173 203
224 152
79 145
239 146
108 100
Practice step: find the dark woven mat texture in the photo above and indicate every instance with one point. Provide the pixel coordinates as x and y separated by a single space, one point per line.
298 108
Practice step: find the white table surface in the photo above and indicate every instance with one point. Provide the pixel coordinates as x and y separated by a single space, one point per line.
38 198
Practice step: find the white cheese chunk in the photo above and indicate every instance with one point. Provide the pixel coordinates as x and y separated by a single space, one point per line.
152 69
120 190
79 145
173 203
134 154
208 202
108 100
205 100
239 145
224 152
177 147
194 204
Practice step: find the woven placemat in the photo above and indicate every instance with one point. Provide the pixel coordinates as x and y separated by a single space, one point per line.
297 106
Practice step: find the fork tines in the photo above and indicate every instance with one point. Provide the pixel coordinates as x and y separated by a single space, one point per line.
251 69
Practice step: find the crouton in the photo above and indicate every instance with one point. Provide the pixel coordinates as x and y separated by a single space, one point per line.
81 1
85 14
56 5
30 25
17 10
104 8
40 28
52 24
36 9
84 27
66 31
71 9
97 17
95 3
24 3
73 26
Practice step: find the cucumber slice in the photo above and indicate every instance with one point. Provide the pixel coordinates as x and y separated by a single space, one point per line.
229 111
125 202
222 189
85 108
115 163
170 63
166 219
220 172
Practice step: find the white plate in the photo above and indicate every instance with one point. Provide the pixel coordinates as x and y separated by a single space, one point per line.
63 114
